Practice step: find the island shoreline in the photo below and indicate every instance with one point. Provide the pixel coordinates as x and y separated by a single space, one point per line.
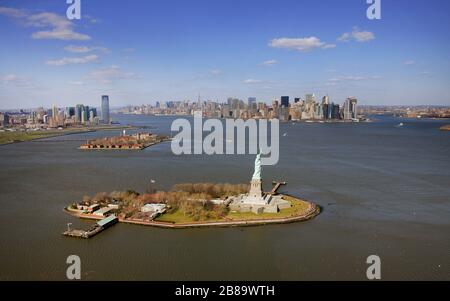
310 213
72 132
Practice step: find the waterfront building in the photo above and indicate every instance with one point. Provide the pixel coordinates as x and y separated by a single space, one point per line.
353 107
78 112
4 119
350 108
325 107
105 109
84 115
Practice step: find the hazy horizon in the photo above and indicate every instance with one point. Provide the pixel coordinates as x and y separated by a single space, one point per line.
153 103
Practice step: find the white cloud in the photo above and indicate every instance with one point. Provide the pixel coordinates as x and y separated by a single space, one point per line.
76 83
14 80
73 60
252 81
110 74
357 35
350 78
300 44
216 72
410 62
268 63
12 12
85 49
56 27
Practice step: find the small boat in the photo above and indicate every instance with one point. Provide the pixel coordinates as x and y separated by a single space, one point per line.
400 124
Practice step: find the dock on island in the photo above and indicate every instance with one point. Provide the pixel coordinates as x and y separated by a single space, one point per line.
94 229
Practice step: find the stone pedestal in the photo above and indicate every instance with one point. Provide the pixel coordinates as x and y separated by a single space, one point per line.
255 195
256 188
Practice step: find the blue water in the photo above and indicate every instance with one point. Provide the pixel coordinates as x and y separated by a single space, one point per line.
384 190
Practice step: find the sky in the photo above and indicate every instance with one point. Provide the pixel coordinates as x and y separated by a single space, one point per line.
140 52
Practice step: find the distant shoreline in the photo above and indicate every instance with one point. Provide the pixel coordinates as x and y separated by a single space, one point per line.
445 128
59 133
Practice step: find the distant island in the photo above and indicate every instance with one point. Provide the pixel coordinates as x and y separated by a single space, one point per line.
195 205
445 128
136 141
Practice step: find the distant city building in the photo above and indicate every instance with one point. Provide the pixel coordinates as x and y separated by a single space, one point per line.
4 119
326 107
55 113
105 109
78 112
285 101
350 108
310 98
69 112
301 109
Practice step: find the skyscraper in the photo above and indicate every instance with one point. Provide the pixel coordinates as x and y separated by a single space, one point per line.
325 107
55 113
285 101
353 107
105 109
78 112
310 98
252 104
350 108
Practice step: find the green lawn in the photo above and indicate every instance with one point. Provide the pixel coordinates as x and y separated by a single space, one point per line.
298 207
174 217
8 137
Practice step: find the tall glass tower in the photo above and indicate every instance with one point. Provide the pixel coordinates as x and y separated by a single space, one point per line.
105 109
285 101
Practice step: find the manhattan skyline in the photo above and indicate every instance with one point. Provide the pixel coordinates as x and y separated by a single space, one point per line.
145 52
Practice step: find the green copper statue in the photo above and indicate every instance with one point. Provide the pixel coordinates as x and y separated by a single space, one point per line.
257 173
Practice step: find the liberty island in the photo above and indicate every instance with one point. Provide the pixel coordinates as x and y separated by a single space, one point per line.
194 205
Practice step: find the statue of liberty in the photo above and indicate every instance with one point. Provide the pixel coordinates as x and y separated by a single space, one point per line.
257 173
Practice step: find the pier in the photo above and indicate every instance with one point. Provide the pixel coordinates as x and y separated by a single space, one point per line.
276 187
94 229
